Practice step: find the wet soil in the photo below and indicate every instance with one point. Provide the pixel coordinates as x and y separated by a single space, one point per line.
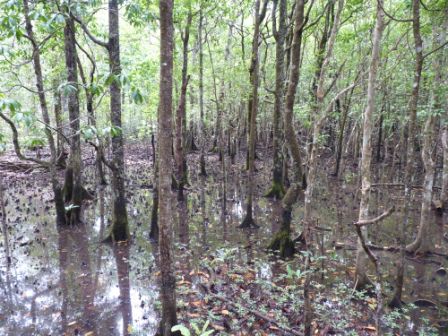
63 281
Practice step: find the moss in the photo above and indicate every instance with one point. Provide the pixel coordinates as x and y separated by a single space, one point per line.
277 191
283 244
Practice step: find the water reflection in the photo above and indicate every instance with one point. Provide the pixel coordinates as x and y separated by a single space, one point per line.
64 281
121 253
76 281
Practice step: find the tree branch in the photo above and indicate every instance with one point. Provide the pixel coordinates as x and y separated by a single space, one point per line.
390 16
15 140
89 34
365 222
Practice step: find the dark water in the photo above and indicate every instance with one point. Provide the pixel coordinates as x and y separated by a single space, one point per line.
64 281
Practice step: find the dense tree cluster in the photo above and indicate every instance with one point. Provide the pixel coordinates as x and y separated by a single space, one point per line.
347 82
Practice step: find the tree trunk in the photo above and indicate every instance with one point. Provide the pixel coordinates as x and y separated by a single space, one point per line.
366 153
277 189
254 71
282 239
410 139
181 172
202 170
120 227
99 147
323 61
444 192
57 190
154 230
73 189
57 109
164 143
423 242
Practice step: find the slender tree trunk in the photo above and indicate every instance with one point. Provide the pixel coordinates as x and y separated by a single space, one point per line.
154 230
181 172
202 170
366 180
282 239
444 192
164 144
99 147
277 189
324 57
410 135
73 189
57 109
340 147
423 241
120 227
379 143
320 114
57 190
254 71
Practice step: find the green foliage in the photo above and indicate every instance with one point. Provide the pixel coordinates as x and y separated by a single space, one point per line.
34 142
67 88
197 330
10 104
89 132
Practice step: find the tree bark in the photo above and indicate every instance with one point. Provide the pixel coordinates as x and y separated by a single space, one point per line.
366 153
422 243
167 293
444 192
120 226
57 190
277 189
282 239
181 165
254 72
202 170
73 190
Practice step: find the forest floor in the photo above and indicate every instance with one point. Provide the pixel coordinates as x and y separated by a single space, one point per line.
63 281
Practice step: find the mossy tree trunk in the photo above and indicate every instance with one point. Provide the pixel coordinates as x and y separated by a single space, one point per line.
120 226
73 189
277 189
283 238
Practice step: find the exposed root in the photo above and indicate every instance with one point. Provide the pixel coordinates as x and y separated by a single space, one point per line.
248 222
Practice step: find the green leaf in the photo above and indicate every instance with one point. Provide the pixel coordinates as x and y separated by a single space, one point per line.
136 96
183 330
